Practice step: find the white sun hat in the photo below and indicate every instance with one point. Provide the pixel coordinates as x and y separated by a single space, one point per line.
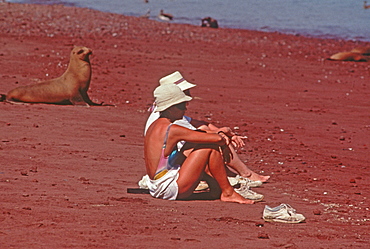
168 95
177 79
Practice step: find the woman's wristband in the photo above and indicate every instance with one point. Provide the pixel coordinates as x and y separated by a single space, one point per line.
226 134
223 138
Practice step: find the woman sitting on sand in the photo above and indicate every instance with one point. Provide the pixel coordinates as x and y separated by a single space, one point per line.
173 176
236 164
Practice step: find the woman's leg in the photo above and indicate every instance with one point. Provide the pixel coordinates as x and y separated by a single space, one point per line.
235 165
219 173
194 166
191 171
242 169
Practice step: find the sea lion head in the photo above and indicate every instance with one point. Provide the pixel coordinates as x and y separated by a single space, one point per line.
82 53
362 50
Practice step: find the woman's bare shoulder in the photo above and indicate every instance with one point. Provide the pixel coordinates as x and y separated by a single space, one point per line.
157 126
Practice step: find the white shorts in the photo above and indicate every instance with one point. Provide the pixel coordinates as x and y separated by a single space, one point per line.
166 186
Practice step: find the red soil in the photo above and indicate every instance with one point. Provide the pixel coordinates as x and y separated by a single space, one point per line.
65 169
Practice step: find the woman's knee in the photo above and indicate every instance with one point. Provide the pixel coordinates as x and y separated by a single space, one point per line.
205 147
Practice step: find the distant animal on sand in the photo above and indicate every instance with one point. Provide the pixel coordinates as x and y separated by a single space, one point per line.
348 56
165 16
361 50
209 22
366 6
70 88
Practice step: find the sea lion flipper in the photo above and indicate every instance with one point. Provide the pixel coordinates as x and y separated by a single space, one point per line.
87 99
78 100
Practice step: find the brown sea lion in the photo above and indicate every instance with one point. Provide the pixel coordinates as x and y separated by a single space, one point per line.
361 50
347 56
70 88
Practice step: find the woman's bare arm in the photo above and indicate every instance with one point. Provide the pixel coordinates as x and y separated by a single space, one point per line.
179 133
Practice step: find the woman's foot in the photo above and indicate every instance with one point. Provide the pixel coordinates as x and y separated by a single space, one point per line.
235 197
256 177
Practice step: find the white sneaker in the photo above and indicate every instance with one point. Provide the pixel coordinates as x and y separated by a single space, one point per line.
282 213
233 180
243 180
250 183
248 194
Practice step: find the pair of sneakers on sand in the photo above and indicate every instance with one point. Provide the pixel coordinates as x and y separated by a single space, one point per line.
283 213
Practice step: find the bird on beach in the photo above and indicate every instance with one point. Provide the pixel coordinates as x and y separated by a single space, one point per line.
366 6
165 16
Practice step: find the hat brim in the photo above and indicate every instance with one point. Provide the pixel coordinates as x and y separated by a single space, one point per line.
175 102
185 85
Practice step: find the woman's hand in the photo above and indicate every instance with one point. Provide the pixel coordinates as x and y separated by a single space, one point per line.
237 141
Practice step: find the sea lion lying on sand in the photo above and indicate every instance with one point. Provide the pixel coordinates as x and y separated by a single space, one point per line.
70 88
361 50
348 56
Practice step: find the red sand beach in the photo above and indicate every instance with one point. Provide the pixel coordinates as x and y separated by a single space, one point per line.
65 169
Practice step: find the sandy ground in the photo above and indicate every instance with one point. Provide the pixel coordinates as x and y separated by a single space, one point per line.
65 169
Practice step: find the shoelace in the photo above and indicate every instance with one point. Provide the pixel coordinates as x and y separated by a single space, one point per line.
244 187
288 207
243 179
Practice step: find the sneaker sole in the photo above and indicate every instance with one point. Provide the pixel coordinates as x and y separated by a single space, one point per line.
256 200
282 221
254 185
